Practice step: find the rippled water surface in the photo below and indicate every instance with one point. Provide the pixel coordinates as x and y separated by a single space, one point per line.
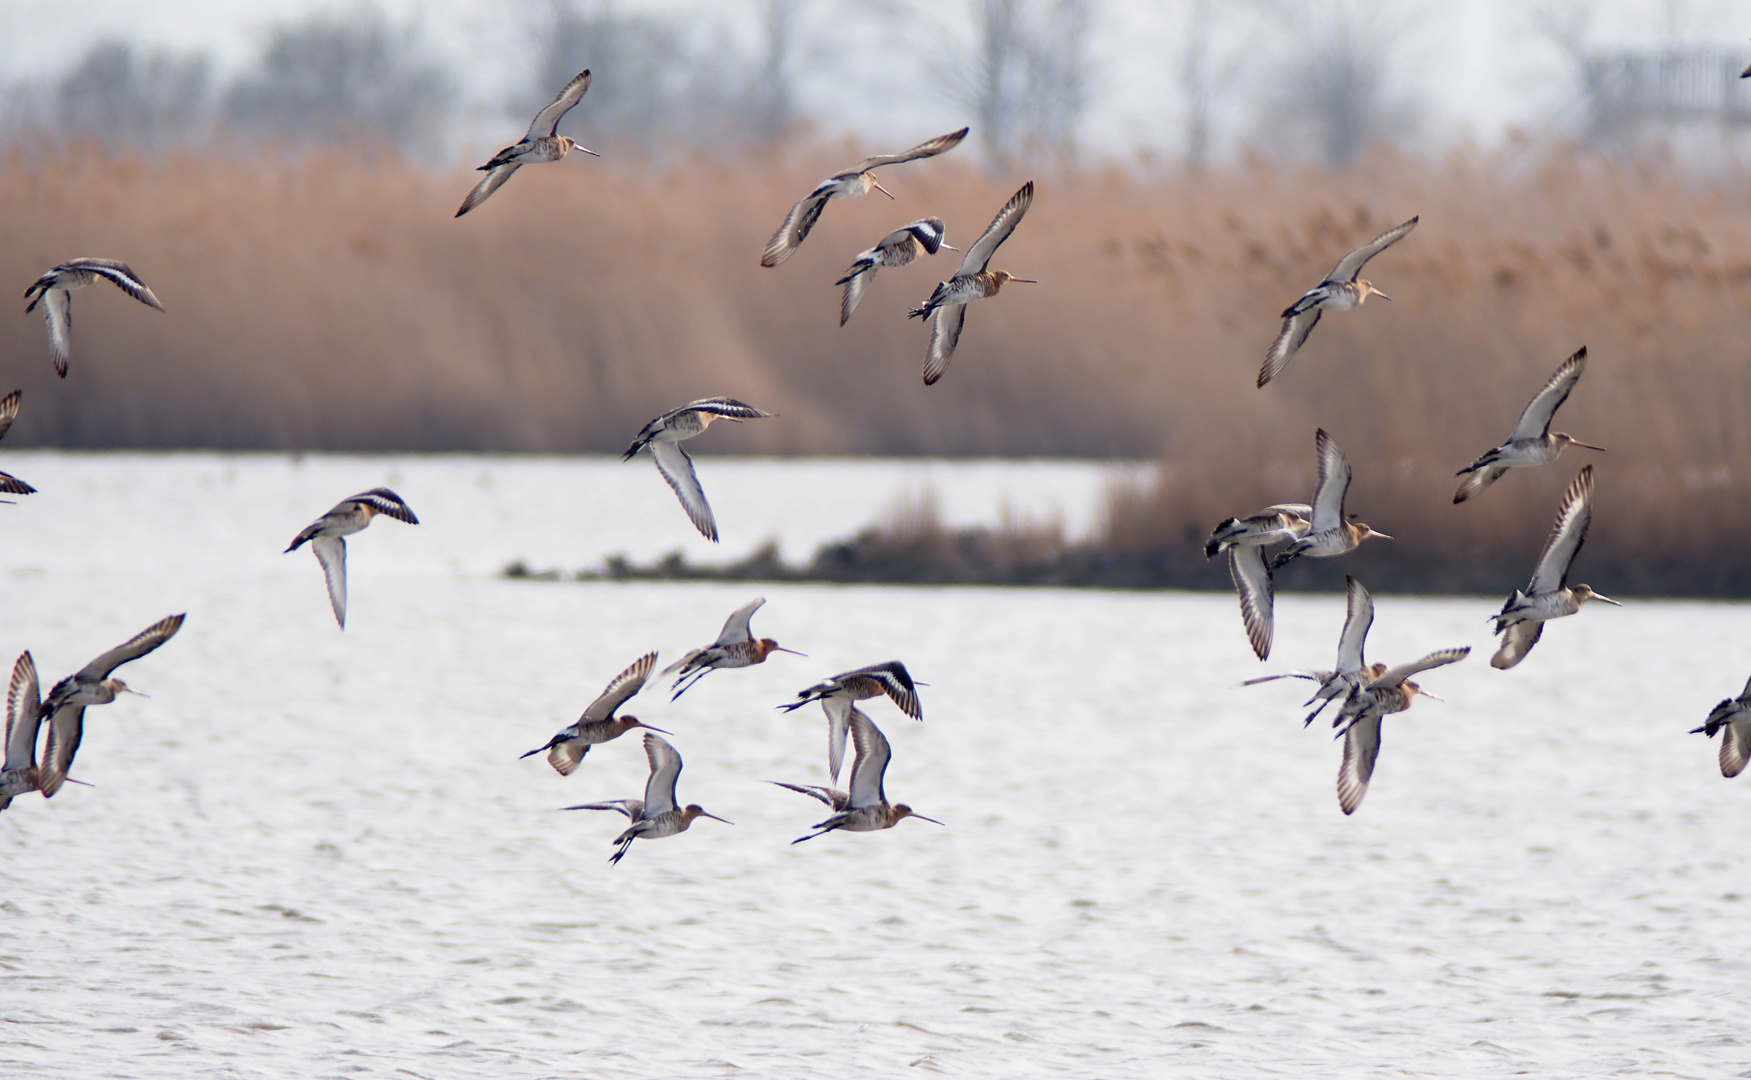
314 854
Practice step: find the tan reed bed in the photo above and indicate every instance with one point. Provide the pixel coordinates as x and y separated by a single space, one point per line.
329 301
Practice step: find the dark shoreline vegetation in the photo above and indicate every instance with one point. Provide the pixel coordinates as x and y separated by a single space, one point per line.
328 301
912 546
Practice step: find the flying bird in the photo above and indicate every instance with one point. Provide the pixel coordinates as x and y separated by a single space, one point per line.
1392 692
54 291
971 282
1245 540
598 724
1352 671
1532 442
541 145
90 685
664 436
24 716
838 694
735 647
896 249
849 184
1732 718
10 484
867 808
1340 291
656 815
1331 532
327 538
1549 596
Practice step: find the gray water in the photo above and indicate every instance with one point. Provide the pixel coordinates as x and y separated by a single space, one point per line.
314 854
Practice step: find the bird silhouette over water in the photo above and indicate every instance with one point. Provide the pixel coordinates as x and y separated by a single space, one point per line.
598 724
735 647
54 290
327 537
664 435
850 184
657 815
541 145
64 709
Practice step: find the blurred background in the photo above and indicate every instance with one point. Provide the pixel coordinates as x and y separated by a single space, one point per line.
284 173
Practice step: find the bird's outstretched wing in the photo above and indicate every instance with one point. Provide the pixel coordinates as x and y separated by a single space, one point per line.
1334 483
632 808
493 180
677 468
726 407
1517 641
24 714
546 122
927 148
945 335
735 629
1535 421
1252 580
797 223
134 648
1566 536
119 274
1351 265
331 552
870 764
1361 750
66 730
1296 327
979 254
838 800
659 790
58 310
620 689
1358 617
9 410
1440 658
385 502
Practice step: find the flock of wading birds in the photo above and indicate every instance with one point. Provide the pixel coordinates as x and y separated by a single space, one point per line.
1364 693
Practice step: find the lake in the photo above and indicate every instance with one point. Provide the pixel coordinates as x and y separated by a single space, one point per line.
312 853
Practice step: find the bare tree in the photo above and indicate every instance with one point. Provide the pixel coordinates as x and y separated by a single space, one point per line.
149 100
1026 77
334 77
1218 36
1338 88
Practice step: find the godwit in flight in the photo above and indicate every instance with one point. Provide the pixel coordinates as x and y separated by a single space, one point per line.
896 249
1732 718
971 282
1549 596
1532 442
1340 291
1352 671
1330 533
849 184
1245 540
10 484
867 808
327 537
664 436
735 647
1390 693
542 144
54 290
598 724
90 685
656 815
24 716
837 694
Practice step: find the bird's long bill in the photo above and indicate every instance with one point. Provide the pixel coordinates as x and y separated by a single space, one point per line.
137 693
585 150
714 817
1585 446
932 820
1022 281
1430 696
877 184
1607 599
947 247
1382 295
648 727
1379 535
793 652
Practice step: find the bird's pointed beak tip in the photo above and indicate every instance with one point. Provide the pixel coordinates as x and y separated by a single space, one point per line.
586 150
792 652
932 820
1607 600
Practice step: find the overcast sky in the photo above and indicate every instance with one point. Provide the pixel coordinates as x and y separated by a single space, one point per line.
1476 67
